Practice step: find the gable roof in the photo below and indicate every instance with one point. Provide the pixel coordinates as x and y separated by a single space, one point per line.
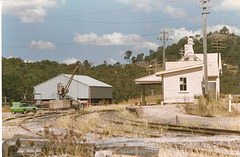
179 69
214 63
88 80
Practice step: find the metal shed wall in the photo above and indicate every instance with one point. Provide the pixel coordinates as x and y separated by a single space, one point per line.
89 88
78 89
101 92
48 90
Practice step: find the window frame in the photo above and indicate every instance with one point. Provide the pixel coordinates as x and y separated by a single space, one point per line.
184 84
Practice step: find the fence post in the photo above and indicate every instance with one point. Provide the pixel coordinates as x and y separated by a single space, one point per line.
229 102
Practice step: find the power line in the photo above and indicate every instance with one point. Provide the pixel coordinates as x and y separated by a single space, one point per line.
123 22
100 12
94 41
119 10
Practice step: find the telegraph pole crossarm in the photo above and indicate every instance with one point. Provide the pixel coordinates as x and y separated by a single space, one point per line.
163 39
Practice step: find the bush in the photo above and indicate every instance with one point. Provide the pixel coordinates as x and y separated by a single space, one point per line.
104 102
159 101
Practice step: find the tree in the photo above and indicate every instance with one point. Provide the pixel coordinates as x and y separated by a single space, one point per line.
224 30
127 56
140 57
134 60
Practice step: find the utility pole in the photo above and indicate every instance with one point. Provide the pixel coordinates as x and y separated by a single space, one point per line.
205 44
163 39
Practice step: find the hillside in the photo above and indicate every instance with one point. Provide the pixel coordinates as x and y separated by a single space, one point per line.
230 54
19 77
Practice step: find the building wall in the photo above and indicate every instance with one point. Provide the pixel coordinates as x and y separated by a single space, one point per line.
78 89
101 92
48 89
216 81
171 85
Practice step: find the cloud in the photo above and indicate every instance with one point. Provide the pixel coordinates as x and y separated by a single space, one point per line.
177 34
112 61
229 5
63 1
146 45
28 61
142 5
70 61
149 6
230 28
182 32
42 45
29 11
120 53
114 39
175 12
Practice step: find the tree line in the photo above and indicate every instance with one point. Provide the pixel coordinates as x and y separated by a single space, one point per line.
19 77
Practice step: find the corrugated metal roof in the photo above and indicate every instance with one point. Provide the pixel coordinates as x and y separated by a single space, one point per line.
88 80
150 79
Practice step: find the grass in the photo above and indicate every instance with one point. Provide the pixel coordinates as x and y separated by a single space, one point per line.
6 108
126 114
74 143
213 108
195 149
232 124
94 123
119 107
152 99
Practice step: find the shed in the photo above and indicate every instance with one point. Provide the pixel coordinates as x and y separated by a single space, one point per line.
82 88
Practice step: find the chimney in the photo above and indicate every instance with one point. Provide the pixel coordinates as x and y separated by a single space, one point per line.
189 47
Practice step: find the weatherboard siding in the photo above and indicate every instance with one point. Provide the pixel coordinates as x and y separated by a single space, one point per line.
172 93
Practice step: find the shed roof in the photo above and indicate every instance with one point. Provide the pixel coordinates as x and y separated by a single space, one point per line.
149 79
88 80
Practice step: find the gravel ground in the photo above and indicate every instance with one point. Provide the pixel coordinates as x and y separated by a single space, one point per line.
174 114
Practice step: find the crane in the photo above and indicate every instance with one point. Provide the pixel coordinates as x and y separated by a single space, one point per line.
62 91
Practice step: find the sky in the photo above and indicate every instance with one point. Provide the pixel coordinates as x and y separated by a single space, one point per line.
103 30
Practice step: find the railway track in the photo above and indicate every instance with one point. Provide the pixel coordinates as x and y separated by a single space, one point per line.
174 128
110 116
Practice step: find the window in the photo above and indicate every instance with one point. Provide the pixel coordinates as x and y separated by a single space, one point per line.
183 84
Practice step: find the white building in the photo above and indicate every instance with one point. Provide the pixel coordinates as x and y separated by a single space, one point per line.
182 81
82 88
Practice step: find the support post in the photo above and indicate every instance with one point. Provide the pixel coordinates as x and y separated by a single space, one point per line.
205 47
143 101
230 103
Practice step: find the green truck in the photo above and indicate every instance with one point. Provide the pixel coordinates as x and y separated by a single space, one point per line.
22 108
